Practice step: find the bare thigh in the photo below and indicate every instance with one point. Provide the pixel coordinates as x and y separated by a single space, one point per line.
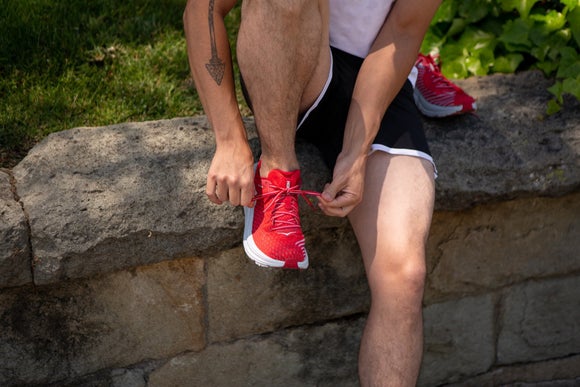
392 222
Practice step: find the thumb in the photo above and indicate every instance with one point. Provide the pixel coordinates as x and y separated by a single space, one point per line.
329 193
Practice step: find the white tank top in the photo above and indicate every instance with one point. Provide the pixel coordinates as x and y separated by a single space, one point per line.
354 24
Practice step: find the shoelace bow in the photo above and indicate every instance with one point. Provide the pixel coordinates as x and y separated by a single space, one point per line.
283 218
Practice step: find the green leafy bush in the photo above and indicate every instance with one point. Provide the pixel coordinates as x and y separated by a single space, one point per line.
480 37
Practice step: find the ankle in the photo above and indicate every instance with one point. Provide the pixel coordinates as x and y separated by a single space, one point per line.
268 164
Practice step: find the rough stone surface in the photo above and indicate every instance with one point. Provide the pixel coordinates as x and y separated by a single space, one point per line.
61 332
246 299
499 244
128 378
510 148
541 320
459 342
107 198
559 372
15 262
324 355
133 376
459 339
102 199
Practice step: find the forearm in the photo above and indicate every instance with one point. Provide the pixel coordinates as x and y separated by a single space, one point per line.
211 66
384 72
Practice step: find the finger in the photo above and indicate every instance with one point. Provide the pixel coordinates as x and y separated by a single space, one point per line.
336 211
341 206
342 199
248 190
330 192
210 191
234 196
246 196
222 191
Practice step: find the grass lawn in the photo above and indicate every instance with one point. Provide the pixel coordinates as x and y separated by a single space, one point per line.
69 63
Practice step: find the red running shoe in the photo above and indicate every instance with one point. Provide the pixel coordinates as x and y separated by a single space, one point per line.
272 233
437 96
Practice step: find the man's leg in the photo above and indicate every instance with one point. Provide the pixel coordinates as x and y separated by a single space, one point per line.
284 58
391 225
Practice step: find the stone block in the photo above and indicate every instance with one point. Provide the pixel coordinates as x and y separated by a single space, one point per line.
540 320
495 245
128 378
509 148
246 299
558 372
103 199
15 260
320 355
58 333
459 339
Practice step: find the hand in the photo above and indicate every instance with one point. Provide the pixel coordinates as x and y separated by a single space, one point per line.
345 191
231 175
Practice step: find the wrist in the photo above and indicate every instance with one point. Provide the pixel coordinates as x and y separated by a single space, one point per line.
359 134
355 151
355 159
228 132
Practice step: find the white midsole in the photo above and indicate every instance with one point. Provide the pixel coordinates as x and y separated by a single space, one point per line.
252 250
432 110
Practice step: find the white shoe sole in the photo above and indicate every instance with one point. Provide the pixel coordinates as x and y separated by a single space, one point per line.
252 250
432 110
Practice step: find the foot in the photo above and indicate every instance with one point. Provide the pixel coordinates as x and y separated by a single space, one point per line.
437 96
272 233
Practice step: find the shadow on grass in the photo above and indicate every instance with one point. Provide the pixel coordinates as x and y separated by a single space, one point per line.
66 63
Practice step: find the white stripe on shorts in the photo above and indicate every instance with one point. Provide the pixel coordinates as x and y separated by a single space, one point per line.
404 152
320 96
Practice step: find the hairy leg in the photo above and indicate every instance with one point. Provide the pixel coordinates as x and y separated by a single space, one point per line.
392 224
284 56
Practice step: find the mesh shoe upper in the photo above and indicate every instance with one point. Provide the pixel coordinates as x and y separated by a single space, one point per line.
437 96
273 236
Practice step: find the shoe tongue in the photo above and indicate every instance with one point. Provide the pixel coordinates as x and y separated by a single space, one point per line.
284 179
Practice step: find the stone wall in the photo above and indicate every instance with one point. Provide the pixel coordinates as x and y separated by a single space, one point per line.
115 270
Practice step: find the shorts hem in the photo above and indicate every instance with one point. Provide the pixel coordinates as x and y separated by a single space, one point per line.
405 152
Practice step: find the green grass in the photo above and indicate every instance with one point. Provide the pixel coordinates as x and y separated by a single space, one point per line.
69 63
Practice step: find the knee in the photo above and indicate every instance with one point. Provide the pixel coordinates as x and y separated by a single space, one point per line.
398 274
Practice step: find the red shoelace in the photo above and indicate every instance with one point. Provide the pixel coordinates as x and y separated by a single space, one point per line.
284 218
437 77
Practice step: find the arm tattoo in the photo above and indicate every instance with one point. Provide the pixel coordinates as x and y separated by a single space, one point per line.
215 66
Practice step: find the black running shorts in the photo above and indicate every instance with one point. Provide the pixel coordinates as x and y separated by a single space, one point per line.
401 131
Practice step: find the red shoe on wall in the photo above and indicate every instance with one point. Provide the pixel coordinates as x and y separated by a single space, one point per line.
437 96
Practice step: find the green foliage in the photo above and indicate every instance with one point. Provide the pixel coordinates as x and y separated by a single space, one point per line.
480 37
